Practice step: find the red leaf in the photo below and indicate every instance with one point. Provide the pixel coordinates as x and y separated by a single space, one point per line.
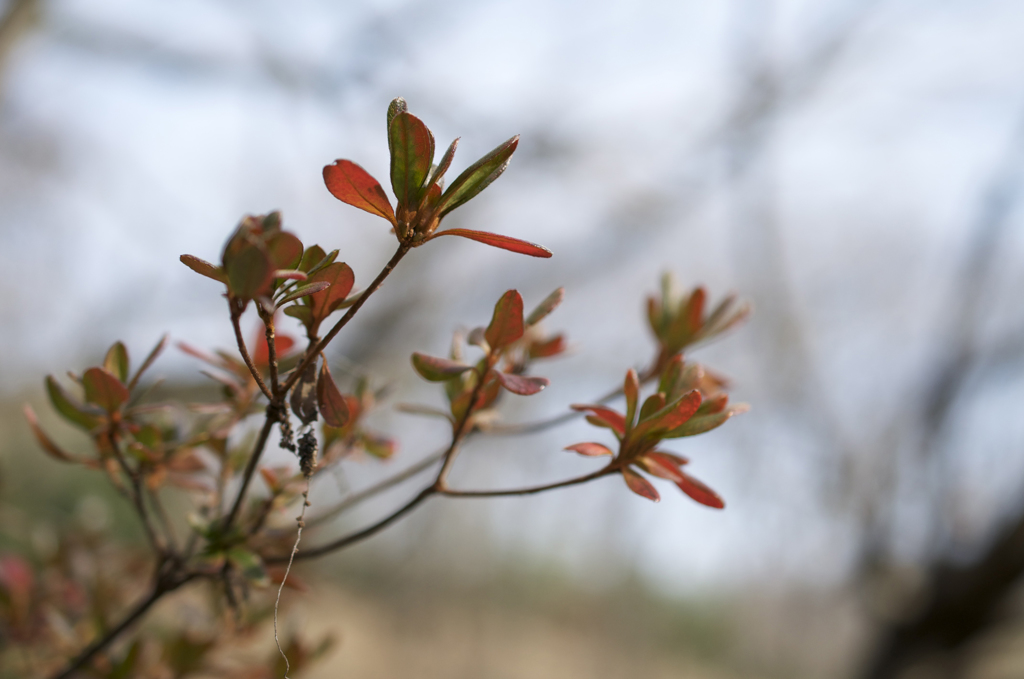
548 348
661 465
590 449
507 322
673 415
546 306
351 184
699 492
631 389
282 345
609 417
504 242
285 250
103 389
640 485
524 386
341 278
332 403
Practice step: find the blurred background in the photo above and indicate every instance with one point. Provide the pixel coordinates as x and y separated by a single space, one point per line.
854 168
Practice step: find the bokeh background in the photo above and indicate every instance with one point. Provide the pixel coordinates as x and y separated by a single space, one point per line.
852 167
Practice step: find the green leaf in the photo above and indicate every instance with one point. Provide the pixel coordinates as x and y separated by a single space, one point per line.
435 369
303 290
313 255
705 423
412 154
302 313
477 177
103 389
351 184
332 403
673 415
249 271
442 167
285 250
507 322
153 354
249 565
546 307
116 361
204 268
68 408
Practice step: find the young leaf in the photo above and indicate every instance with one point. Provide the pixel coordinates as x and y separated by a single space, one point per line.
546 307
590 449
153 354
640 485
341 278
504 242
303 290
704 423
332 404
285 250
396 106
47 444
507 322
313 255
518 384
606 416
412 154
116 361
548 348
477 177
674 414
631 389
204 268
442 167
351 184
700 492
435 369
72 411
661 465
103 389
652 404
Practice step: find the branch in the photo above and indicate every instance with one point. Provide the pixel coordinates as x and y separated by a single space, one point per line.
250 468
137 498
605 471
268 324
236 315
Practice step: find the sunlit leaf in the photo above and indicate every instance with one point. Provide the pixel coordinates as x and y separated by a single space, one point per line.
477 176
546 307
116 361
103 389
332 404
590 449
396 106
351 184
640 485
700 492
442 167
504 242
506 324
606 416
434 369
204 268
412 154
518 384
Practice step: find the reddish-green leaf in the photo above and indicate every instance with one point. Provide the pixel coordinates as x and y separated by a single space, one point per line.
688 320
652 404
378 446
715 404
546 307
153 354
504 242
47 444
608 417
313 255
548 348
640 485
700 492
590 449
204 268
303 290
507 322
72 411
412 154
332 404
442 167
674 414
285 250
116 361
396 106
477 176
103 389
631 389
704 423
341 278
351 184
518 384
249 271
661 465
434 369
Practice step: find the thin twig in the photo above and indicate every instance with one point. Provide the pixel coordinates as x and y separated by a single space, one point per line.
250 469
301 521
236 316
268 324
137 498
605 471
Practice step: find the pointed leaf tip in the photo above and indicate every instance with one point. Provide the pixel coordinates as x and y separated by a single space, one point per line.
640 485
332 404
524 386
507 322
699 492
495 240
590 449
